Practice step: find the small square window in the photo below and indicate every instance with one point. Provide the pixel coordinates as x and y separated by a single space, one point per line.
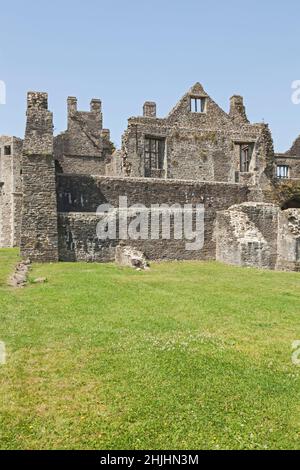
7 150
198 105
282 171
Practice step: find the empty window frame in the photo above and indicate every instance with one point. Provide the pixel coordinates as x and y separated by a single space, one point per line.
7 150
245 157
198 105
154 154
282 171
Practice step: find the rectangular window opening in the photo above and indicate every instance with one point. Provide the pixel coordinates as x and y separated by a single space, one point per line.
198 105
154 154
282 171
7 150
245 157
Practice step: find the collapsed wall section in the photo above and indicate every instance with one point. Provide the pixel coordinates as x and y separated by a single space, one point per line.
85 147
259 235
289 240
246 235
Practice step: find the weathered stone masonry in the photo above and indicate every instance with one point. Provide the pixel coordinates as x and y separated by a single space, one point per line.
85 147
259 235
39 237
79 197
10 191
198 154
197 141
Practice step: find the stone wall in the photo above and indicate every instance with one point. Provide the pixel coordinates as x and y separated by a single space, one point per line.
10 193
85 146
39 238
202 146
291 158
114 165
259 235
293 162
79 197
288 258
66 178
246 235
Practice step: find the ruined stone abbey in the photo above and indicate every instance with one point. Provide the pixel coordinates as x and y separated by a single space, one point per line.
51 187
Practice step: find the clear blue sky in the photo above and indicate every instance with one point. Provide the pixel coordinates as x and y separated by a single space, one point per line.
127 52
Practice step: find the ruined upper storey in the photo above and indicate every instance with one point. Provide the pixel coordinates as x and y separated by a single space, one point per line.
85 146
197 141
54 216
288 163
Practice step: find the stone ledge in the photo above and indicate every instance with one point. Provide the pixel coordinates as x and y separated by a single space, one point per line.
168 181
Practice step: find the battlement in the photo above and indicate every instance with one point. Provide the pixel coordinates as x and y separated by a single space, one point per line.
84 146
94 115
237 109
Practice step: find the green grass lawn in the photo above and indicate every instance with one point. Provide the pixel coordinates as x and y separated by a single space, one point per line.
185 356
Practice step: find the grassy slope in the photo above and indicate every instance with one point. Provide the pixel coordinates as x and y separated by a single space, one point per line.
187 355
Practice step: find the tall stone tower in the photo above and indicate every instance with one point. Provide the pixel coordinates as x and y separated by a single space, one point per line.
39 238
10 191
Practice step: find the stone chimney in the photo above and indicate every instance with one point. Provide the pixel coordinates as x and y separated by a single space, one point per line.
72 104
37 100
96 109
96 106
237 110
149 109
105 134
72 109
